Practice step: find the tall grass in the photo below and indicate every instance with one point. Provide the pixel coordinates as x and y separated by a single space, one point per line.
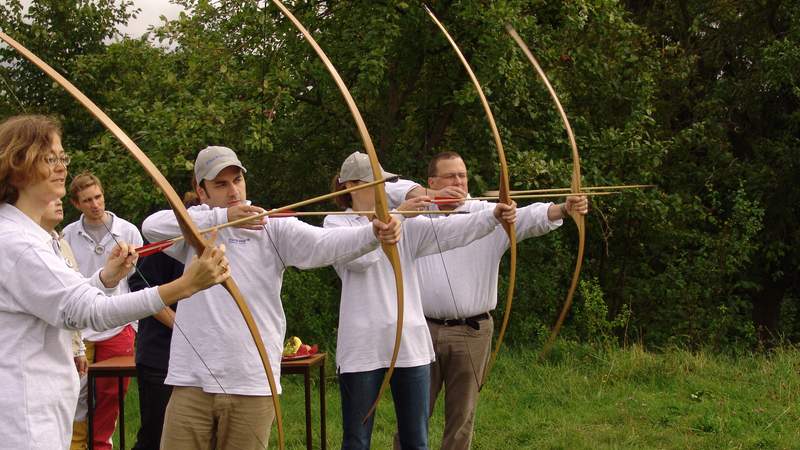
583 398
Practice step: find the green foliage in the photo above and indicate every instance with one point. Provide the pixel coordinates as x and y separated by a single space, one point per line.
591 317
311 304
698 98
60 32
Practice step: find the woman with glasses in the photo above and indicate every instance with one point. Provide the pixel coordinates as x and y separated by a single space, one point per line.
42 298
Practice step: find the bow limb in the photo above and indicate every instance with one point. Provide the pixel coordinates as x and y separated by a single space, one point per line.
575 187
381 201
188 227
504 196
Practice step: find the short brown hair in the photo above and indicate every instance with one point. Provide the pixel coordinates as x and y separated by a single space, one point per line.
440 156
343 201
25 141
81 182
190 198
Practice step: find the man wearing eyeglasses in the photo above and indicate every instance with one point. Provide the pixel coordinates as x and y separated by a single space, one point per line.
92 238
459 288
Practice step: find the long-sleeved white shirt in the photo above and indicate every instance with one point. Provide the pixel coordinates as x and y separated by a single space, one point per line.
368 309
462 282
398 190
210 319
91 256
41 299
472 271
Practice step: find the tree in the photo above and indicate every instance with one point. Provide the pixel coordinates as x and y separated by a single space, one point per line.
729 96
700 100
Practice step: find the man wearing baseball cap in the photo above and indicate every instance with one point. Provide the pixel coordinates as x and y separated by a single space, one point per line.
211 160
367 313
357 167
220 391
458 288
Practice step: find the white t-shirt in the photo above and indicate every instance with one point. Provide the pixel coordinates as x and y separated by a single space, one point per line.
210 319
91 256
368 309
462 282
41 299
472 270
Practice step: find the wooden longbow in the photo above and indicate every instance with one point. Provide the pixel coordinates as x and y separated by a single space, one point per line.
575 187
381 201
504 196
188 227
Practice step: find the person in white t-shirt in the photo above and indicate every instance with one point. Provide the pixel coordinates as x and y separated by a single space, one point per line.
368 312
459 290
92 237
220 389
42 299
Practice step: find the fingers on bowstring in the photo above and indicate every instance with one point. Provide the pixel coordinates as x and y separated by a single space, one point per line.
254 211
123 249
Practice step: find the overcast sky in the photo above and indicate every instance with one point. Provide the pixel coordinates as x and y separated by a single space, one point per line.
151 10
149 15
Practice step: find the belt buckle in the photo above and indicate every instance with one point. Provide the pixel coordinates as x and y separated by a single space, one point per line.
453 322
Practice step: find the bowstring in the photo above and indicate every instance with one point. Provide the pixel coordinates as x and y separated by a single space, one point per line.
453 297
175 319
262 104
439 246
180 330
176 325
13 93
261 124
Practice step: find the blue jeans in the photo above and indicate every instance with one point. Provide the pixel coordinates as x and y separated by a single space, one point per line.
411 395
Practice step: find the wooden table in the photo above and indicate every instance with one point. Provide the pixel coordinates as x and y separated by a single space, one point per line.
125 366
304 366
120 367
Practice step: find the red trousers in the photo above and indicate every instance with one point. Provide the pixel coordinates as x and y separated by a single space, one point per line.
106 406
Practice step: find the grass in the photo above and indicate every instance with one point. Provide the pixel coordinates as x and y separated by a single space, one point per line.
581 398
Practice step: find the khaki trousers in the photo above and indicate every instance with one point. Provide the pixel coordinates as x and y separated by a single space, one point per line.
462 353
197 420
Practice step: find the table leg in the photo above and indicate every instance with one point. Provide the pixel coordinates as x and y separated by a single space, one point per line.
121 393
307 379
323 437
90 412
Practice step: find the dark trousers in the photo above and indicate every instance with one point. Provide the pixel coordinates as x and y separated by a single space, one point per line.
153 398
411 395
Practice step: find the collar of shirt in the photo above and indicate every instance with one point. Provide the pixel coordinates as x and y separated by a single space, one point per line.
11 213
54 241
115 227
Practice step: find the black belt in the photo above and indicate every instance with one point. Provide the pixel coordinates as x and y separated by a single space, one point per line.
473 321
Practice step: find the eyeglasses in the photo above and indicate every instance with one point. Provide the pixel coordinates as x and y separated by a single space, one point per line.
453 176
53 160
